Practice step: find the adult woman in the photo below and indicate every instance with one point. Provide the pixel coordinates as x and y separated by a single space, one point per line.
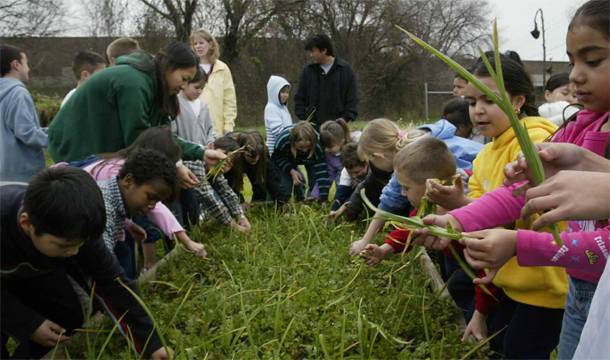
219 92
111 109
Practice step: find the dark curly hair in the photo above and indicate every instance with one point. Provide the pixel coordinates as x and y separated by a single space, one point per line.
67 203
147 166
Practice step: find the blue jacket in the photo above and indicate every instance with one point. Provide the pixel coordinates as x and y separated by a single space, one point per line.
464 150
22 139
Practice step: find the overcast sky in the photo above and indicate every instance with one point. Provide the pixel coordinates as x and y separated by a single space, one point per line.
515 21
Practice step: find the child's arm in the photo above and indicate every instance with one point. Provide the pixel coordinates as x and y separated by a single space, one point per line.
167 222
228 197
283 154
21 119
374 254
357 246
477 327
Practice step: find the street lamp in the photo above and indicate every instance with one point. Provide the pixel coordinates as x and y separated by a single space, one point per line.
535 33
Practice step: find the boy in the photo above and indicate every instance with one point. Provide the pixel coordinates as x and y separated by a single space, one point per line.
22 139
85 64
353 173
121 46
216 195
427 158
194 122
146 177
55 221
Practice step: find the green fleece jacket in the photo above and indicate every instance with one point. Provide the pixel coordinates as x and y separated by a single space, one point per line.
109 111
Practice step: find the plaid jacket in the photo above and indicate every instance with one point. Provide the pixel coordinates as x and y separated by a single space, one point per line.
221 209
115 211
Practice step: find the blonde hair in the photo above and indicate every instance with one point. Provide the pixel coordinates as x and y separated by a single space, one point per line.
122 46
428 158
303 130
214 51
383 136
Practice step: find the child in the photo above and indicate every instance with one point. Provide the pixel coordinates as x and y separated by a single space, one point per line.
194 122
559 94
23 140
106 166
257 165
298 145
85 64
333 135
56 220
456 112
277 116
428 158
216 195
146 178
353 173
459 86
120 47
533 295
588 30
381 140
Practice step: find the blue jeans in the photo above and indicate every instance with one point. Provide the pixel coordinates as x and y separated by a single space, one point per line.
578 303
286 181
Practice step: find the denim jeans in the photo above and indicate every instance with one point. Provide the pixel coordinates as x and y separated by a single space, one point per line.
578 303
287 184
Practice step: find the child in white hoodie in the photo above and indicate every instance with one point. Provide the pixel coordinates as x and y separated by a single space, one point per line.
277 116
559 94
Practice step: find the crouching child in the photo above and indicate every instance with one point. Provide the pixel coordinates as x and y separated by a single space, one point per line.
58 219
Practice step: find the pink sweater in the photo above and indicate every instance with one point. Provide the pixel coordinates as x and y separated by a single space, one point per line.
587 240
160 215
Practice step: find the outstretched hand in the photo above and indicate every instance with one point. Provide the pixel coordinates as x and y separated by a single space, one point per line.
489 249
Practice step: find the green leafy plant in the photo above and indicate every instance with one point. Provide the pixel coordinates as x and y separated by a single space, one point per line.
525 141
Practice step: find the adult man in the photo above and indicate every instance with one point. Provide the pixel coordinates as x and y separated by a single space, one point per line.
327 86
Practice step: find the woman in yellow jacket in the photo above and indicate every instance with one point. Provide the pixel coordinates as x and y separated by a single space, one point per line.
219 93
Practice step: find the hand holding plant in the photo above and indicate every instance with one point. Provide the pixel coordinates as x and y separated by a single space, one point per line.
187 179
373 254
240 228
297 179
449 197
477 327
197 249
213 157
357 246
49 334
245 223
489 249
423 238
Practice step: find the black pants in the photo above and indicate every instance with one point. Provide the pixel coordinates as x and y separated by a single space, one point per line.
532 332
50 295
187 209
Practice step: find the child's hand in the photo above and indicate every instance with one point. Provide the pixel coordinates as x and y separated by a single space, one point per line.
423 238
555 157
240 228
334 215
161 354
246 206
187 179
213 157
477 327
448 196
357 246
245 223
297 179
197 248
489 249
48 334
137 233
374 254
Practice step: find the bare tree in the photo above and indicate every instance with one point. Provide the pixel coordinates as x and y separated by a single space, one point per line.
23 18
179 12
107 17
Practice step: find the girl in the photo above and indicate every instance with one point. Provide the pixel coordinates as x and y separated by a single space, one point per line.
533 295
194 122
123 101
298 145
257 165
589 129
456 112
219 93
106 166
277 116
559 94
333 135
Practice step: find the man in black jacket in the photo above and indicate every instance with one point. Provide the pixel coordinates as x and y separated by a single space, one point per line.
47 225
327 86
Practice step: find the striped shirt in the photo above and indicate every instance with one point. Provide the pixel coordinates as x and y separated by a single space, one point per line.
285 161
221 209
115 211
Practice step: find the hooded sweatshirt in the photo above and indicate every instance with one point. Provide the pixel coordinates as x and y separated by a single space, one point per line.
110 110
197 128
277 116
557 112
23 140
